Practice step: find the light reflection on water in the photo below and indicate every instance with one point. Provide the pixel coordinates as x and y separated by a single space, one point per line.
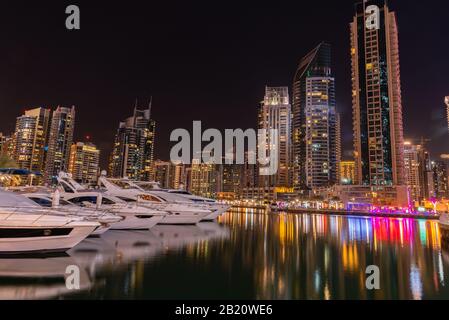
251 255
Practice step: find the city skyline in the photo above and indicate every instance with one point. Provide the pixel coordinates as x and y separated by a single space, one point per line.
188 150
175 96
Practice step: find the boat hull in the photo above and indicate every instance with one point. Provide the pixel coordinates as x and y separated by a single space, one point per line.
45 244
131 222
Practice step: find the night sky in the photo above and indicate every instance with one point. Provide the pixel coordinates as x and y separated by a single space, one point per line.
203 60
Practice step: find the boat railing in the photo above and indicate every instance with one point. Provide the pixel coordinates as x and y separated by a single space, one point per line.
30 211
56 211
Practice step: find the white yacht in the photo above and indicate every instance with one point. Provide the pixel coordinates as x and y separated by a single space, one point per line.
134 217
25 227
217 209
61 206
179 212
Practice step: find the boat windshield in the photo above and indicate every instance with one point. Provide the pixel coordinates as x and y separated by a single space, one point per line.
123 185
186 193
8 200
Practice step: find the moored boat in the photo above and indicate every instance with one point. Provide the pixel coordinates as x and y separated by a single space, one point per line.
27 228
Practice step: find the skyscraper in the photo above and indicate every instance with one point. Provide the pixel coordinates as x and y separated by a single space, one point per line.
6 145
377 102
203 180
2 142
249 175
440 179
446 101
322 133
313 68
163 173
413 168
180 177
230 178
59 142
132 154
275 113
84 162
31 137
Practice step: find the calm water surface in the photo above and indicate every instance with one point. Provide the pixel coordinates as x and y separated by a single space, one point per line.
246 255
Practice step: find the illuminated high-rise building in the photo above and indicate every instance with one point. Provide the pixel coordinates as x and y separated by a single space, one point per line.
188 178
30 139
313 68
6 145
413 168
2 142
84 162
133 150
59 142
322 133
230 180
180 177
275 114
440 179
203 181
377 101
446 101
347 172
418 171
163 174
249 175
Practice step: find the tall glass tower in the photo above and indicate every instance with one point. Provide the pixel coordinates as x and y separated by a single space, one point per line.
275 113
60 141
322 133
315 125
132 154
446 101
31 136
377 102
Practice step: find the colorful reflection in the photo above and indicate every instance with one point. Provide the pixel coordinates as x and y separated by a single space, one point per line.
325 257
251 254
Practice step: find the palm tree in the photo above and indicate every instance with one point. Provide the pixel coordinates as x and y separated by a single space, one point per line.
6 162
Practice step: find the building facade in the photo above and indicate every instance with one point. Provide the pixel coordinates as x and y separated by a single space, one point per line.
347 172
377 101
6 145
59 142
164 174
133 149
180 177
322 136
31 138
204 179
315 65
230 181
3 140
412 169
84 162
440 179
446 101
275 114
